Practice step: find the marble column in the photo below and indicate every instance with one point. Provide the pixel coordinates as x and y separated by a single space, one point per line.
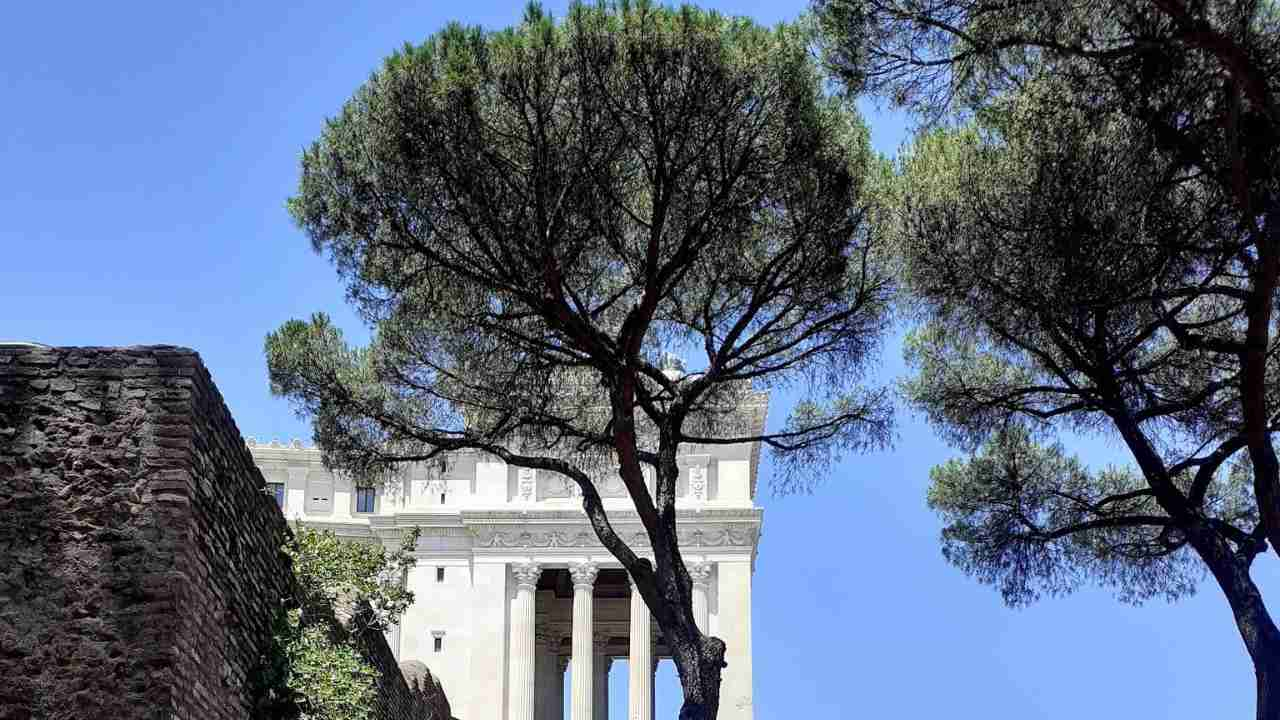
584 580
640 661
523 643
600 681
700 573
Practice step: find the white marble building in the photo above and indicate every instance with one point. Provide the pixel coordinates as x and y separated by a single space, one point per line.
512 587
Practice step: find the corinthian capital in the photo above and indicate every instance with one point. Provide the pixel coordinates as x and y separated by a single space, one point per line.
526 574
700 573
584 574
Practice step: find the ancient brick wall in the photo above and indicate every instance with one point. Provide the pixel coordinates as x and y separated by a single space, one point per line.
424 699
139 556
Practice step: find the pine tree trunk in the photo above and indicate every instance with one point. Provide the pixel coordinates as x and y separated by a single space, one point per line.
1257 630
1267 671
700 662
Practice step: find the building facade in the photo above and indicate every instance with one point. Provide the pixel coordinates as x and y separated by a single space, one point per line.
512 588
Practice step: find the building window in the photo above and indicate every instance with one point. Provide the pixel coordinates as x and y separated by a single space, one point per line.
438 644
439 574
364 499
441 498
276 490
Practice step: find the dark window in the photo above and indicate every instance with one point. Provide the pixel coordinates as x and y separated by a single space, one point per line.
439 574
364 499
441 498
439 644
276 490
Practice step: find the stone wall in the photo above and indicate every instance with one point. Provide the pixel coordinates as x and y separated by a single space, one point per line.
425 698
139 556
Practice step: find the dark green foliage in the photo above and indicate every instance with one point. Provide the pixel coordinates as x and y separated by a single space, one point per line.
316 670
1089 228
1030 520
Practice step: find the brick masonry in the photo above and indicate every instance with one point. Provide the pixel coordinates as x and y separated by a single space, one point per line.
139 555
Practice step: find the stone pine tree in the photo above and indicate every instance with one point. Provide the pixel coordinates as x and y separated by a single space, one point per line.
1078 269
1199 80
531 219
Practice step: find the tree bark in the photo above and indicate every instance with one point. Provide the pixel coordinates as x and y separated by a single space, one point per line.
704 657
1257 630
1253 376
1268 674
667 590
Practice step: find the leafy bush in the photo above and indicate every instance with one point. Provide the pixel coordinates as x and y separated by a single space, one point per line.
315 670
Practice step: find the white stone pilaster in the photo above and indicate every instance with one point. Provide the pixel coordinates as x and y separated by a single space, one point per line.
733 608
584 579
640 661
523 643
700 574
490 642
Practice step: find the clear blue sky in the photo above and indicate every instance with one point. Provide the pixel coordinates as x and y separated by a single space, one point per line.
146 150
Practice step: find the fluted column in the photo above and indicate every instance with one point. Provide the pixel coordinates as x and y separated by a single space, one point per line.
523 641
640 661
584 580
700 573
600 667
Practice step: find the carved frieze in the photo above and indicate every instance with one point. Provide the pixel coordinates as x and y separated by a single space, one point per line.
489 536
717 536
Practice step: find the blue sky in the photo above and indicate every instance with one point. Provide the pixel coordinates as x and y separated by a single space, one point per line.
146 150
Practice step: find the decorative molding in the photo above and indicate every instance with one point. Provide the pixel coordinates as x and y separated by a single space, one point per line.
698 483
584 575
703 535
527 484
727 535
522 515
491 537
526 574
700 573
